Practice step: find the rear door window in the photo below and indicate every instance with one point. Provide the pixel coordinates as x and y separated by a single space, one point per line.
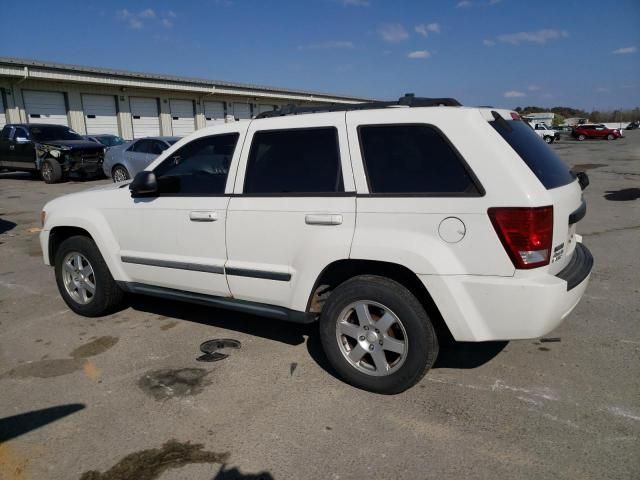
413 159
539 157
294 162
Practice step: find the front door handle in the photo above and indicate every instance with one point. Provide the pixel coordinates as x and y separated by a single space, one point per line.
203 216
12 147
323 219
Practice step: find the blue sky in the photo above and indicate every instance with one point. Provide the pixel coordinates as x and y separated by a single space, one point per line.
580 53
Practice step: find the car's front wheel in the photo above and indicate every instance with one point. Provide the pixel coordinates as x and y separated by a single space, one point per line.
611 137
548 139
51 171
84 280
581 137
377 335
120 174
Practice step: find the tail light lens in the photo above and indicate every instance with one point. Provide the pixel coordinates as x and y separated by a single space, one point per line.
525 233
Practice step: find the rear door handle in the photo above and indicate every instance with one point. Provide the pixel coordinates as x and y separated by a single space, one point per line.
12 147
323 219
203 216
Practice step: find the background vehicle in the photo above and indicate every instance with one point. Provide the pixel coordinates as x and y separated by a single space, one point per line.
124 161
544 132
384 239
633 125
585 131
107 140
52 151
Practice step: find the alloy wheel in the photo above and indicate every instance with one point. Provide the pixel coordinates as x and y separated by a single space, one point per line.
372 338
79 278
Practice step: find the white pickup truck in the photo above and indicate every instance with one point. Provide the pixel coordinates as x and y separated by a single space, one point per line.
548 135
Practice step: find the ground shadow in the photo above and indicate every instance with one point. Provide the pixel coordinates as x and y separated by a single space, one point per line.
284 332
19 176
466 355
235 474
12 427
623 195
6 225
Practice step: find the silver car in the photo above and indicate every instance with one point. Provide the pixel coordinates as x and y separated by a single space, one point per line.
123 162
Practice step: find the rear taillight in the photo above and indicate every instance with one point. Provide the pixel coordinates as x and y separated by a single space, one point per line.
525 233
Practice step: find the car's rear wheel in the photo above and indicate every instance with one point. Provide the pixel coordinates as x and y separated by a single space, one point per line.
611 137
581 137
51 171
84 280
377 335
120 174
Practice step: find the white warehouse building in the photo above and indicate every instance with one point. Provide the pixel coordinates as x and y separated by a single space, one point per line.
94 100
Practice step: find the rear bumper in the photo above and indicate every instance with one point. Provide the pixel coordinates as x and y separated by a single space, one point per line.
483 308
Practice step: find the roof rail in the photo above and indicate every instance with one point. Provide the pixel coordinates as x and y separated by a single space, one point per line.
408 100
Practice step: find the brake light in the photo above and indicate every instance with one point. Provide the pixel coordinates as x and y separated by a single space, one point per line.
525 233
515 116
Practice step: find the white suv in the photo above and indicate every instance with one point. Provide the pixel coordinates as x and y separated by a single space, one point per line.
392 223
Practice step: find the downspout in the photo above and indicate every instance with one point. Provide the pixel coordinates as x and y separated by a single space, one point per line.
13 93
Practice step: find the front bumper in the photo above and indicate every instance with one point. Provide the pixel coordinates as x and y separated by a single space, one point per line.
482 308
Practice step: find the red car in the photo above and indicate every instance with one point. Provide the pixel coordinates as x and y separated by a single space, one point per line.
582 132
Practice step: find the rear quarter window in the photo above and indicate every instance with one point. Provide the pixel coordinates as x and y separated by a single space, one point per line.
413 159
539 157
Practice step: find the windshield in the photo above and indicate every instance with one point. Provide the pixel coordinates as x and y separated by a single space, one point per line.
53 132
110 140
171 142
539 157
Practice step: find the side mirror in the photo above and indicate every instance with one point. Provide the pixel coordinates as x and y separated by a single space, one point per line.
144 183
22 140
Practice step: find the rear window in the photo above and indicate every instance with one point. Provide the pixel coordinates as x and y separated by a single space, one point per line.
540 158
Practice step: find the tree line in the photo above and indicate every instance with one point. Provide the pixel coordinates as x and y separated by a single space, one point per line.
623 115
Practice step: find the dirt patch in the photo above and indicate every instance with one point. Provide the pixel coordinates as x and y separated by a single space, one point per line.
583 167
150 464
46 368
168 383
169 325
95 347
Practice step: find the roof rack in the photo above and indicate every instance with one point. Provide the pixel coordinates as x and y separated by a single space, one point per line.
408 100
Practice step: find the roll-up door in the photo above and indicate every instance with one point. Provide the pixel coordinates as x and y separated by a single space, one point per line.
265 108
183 120
241 111
100 114
214 112
145 117
45 107
3 108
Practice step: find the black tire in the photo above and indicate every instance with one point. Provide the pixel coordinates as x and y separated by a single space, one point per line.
581 137
610 137
548 139
120 170
421 340
51 171
107 297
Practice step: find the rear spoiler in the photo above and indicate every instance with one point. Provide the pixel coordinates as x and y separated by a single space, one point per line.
583 179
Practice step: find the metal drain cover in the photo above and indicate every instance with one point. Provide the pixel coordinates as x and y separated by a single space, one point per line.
210 349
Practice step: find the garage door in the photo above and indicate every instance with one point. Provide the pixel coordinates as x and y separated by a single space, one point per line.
241 110
213 113
100 114
3 108
45 107
183 119
265 108
144 117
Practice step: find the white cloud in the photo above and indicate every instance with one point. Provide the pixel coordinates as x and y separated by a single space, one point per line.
327 45
540 36
488 43
355 3
514 94
419 54
393 33
137 21
464 4
625 50
533 88
603 90
424 28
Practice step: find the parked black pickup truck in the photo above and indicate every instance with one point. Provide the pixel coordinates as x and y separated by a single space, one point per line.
51 151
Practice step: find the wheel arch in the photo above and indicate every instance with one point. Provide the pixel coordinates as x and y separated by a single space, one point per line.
340 271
